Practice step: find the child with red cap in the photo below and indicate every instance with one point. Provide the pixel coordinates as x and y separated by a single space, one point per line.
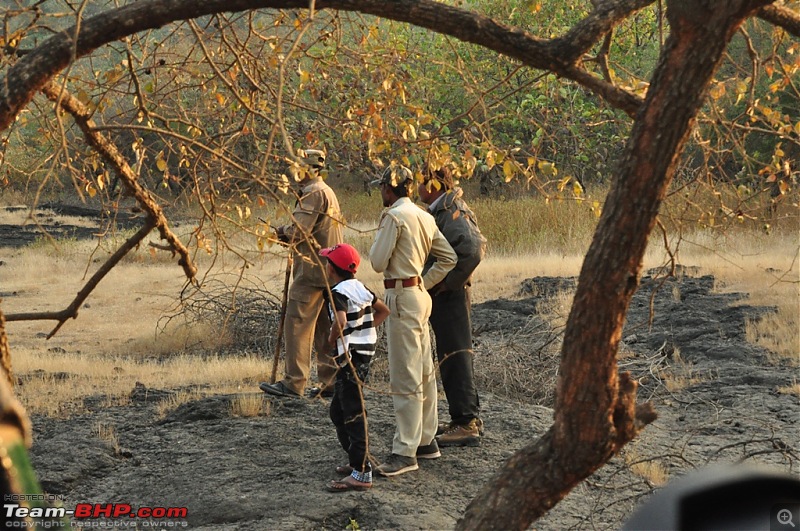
355 314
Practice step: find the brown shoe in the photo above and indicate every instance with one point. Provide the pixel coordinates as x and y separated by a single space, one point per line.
397 464
456 435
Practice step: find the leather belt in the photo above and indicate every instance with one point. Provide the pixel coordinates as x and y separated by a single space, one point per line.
390 283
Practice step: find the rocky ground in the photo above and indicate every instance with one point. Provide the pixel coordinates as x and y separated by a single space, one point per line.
716 396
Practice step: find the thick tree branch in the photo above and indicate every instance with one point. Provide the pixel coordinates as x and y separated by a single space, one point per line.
595 412
5 352
155 216
583 35
115 159
36 68
781 16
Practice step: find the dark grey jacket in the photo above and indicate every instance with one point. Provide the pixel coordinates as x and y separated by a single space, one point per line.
460 228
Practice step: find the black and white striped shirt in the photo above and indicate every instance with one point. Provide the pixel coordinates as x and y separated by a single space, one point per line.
359 334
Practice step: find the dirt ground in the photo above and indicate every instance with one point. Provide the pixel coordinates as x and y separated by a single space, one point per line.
270 471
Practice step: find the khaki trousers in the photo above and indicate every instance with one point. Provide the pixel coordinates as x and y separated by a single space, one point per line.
306 322
412 374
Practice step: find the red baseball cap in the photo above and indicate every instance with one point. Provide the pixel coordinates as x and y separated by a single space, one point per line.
343 256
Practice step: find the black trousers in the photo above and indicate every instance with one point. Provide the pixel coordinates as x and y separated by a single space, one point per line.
349 414
452 327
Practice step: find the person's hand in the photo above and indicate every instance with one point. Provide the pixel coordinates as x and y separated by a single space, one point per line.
280 234
330 348
438 289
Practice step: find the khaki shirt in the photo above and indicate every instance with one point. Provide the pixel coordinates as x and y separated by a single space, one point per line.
406 235
316 225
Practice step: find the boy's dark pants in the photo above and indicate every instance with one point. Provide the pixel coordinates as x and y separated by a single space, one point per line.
452 327
349 414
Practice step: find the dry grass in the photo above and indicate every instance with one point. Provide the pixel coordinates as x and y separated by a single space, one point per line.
250 405
117 341
55 384
176 400
793 389
107 433
649 469
766 267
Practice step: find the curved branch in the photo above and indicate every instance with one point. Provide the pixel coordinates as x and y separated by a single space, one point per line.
112 155
36 68
595 413
781 16
71 311
583 35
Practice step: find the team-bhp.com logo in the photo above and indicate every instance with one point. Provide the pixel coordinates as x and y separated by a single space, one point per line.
89 514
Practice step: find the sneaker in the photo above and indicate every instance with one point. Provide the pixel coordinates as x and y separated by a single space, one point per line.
467 435
396 465
429 451
277 389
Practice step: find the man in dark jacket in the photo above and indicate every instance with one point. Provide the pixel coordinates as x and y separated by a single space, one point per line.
450 314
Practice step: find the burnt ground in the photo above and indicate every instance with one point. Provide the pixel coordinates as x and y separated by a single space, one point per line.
270 471
49 222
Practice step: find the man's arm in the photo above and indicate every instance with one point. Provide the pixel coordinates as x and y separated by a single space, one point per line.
379 312
446 259
381 251
468 243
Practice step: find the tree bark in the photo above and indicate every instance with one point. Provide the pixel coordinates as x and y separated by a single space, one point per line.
595 413
34 69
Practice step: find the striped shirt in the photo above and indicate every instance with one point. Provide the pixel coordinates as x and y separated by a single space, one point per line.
359 334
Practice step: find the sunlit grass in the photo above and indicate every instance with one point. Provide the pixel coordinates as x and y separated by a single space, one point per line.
649 469
55 384
116 340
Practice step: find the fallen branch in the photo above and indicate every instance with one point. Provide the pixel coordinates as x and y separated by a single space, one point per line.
71 311
155 215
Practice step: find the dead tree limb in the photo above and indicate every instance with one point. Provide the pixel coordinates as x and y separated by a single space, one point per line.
71 311
111 154
5 351
155 215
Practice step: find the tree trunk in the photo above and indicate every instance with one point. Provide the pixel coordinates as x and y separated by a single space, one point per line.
595 413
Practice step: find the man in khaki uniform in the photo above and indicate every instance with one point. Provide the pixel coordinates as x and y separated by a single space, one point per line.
405 238
315 225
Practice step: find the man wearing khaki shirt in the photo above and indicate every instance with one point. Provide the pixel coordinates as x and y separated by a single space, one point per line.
316 224
406 236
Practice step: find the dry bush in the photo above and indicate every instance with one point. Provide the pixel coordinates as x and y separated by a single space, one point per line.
524 365
250 405
245 314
